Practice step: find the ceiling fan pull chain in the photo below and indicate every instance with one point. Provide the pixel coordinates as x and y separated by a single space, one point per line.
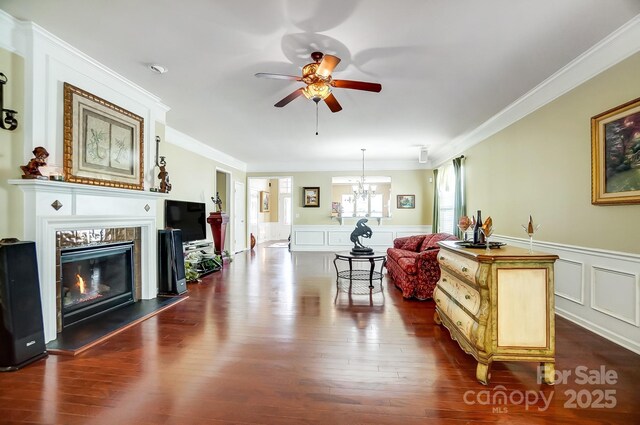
316 118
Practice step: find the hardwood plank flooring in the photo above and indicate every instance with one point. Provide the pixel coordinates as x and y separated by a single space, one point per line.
271 340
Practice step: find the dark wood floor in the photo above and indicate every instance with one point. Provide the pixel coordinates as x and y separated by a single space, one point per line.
269 340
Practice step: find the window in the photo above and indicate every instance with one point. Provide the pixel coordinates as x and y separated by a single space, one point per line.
358 207
362 207
446 197
376 205
284 188
348 207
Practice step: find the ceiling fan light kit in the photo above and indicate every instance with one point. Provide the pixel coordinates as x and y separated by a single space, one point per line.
316 91
319 82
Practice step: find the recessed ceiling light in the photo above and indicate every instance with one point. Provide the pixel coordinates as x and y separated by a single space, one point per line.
158 68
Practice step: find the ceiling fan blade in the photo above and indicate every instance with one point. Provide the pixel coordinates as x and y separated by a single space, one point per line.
289 98
357 85
327 65
278 76
332 103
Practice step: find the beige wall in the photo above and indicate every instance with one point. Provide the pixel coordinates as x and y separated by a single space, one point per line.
402 183
11 148
541 166
193 178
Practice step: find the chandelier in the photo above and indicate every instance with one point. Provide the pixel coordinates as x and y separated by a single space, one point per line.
363 190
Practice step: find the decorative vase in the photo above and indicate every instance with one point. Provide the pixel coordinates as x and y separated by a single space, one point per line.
253 241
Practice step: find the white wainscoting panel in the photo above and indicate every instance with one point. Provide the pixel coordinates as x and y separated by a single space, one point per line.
604 282
569 280
596 289
338 238
308 238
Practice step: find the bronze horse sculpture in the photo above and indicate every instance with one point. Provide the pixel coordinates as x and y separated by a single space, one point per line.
361 230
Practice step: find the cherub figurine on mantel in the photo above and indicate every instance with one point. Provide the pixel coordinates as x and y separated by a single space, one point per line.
163 175
32 169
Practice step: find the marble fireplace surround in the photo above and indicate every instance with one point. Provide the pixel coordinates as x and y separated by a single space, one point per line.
54 208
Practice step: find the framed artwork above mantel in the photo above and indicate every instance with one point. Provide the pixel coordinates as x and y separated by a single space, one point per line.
103 143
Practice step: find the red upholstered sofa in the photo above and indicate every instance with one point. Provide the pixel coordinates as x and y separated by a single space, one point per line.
412 263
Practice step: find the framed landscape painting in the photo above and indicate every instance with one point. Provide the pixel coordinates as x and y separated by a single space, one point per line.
311 197
406 201
103 143
265 205
615 155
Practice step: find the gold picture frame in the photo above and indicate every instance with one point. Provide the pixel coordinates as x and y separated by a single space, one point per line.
103 143
311 197
265 205
615 155
404 202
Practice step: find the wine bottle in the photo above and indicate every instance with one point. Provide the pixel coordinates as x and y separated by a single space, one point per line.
477 233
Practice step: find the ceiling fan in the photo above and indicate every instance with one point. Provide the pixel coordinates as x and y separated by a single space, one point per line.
317 77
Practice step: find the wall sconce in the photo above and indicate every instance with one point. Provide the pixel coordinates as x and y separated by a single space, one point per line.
9 119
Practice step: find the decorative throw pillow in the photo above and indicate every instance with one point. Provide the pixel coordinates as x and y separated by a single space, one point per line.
431 241
412 243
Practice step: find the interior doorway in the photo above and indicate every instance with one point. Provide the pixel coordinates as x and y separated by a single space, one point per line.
270 208
240 233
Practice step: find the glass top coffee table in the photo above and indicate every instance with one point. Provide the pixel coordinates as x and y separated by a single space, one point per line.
354 272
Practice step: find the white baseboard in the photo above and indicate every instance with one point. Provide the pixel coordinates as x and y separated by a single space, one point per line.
599 330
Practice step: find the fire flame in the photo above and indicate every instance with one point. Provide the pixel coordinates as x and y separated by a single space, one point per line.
80 283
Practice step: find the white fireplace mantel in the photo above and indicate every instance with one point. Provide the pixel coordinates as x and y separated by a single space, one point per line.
51 206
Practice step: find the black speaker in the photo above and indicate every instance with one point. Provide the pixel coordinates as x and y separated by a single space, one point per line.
171 275
21 328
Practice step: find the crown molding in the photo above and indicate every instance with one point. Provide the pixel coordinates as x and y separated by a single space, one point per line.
187 142
613 49
12 38
318 166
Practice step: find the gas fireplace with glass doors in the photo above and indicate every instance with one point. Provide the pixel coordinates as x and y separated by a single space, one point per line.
95 279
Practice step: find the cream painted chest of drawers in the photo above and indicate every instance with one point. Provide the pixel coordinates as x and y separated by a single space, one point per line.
498 305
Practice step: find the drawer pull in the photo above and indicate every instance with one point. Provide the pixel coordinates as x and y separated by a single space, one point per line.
467 297
464 269
437 300
441 258
444 279
459 323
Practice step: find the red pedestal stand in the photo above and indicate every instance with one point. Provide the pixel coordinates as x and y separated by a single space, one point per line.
218 222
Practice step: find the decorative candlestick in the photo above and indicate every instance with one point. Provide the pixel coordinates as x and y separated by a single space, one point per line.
530 228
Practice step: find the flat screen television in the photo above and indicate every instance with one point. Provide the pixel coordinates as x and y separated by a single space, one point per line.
190 217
